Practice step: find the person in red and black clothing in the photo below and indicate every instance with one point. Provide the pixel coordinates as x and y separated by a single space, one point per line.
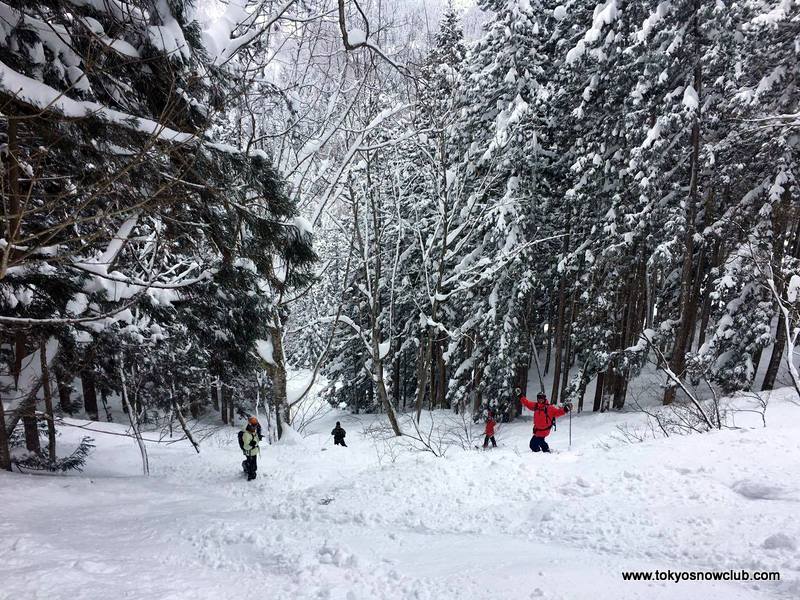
544 414
490 425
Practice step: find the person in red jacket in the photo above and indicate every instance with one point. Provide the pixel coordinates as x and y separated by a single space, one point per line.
490 425
543 415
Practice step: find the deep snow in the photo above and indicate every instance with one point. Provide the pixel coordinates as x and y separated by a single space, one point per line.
367 522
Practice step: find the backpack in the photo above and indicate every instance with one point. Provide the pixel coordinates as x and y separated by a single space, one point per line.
552 420
241 440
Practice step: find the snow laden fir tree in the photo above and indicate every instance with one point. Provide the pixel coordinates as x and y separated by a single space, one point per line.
144 249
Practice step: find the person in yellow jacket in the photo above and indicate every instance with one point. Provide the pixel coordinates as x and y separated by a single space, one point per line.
249 444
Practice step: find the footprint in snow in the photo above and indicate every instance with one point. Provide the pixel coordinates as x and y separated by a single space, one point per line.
580 487
94 567
779 541
756 490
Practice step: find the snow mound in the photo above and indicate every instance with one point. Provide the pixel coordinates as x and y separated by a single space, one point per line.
290 437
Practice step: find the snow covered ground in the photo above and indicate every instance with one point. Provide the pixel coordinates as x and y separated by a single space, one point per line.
371 522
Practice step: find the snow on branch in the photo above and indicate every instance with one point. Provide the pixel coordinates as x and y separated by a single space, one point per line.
219 39
44 98
265 351
605 13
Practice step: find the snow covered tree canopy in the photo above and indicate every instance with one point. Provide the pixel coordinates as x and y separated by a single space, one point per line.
130 222
578 173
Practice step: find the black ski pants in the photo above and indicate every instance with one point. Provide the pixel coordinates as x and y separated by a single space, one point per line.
250 467
486 441
538 444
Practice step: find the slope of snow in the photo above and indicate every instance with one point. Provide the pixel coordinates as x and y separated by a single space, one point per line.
379 521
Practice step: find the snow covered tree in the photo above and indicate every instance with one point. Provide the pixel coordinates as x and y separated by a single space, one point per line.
118 205
505 166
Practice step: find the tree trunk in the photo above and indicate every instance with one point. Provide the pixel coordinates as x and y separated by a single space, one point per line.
520 380
687 315
378 374
620 389
562 309
609 388
64 395
705 310
231 410
377 362
549 338
584 381
20 351
48 404
434 393
432 332
568 347
106 408
598 391
223 401
477 377
89 395
535 356
775 358
279 375
396 366
781 218
423 361
184 426
630 329
5 451
442 373
194 409
559 337
650 300
696 290
387 404
30 426
133 417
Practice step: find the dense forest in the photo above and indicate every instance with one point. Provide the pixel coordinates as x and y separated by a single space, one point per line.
416 204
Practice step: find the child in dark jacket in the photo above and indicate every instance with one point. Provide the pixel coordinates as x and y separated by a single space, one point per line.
338 435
